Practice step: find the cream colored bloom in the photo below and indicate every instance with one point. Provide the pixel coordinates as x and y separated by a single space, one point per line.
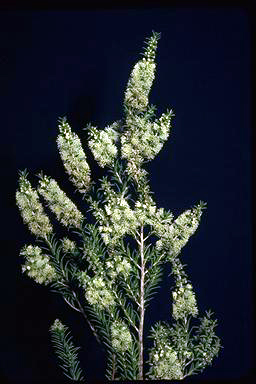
73 157
143 139
121 336
165 364
139 85
102 144
68 245
98 293
119 220
176 235
31 209
37 265
184 302
65 210
57 326
118 265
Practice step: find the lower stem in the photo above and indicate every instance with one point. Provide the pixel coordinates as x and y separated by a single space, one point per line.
142 309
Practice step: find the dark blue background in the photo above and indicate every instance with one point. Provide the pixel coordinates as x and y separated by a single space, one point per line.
77 64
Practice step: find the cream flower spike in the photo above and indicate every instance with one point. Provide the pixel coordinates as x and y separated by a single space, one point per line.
65 210
73 157
31 209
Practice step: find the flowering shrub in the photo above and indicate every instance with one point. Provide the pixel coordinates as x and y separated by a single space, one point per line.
110 265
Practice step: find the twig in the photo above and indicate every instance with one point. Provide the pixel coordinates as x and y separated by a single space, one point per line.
114 367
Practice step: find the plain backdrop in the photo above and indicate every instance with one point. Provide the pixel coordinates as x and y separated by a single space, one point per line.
77 63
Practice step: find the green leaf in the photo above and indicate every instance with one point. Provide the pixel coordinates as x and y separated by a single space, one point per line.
65 351
152 283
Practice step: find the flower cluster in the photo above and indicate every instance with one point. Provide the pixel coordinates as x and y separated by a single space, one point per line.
65 210
117 266
135 170
97 292
121 336
184 301
176 235
139 85
57 326
117 218
73 157
121 220
102 144
147 213
166 365
142 77
37 266
31 209
68 245
164 361
144 139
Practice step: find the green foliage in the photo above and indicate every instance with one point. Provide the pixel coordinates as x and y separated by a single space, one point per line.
66 351
152 282
111 264
207 343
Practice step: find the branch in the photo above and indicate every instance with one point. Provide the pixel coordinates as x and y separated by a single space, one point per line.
80 308
86 318
114 367
125 311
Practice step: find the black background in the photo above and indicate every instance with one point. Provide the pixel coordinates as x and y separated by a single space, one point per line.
76 63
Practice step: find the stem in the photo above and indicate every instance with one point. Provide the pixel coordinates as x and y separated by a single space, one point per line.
142 310
114 367
72 306
86 318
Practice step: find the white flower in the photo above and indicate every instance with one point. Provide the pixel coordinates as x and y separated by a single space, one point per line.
68 245
119 219
31 209
165 364
65 210
139 85
57 326
176 235
184 303
121 336
98 293
102 144
37 266
73 157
